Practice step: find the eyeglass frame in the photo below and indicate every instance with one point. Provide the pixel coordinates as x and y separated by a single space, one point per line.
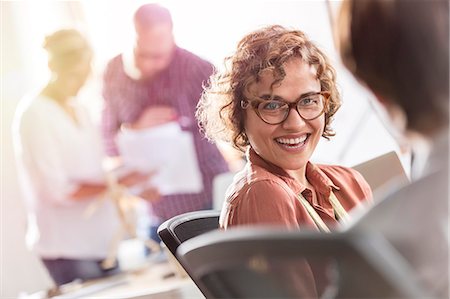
256 102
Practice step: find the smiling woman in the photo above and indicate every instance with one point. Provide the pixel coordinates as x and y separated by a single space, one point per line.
275 100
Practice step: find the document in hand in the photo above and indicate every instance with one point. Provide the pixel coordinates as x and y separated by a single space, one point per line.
166 149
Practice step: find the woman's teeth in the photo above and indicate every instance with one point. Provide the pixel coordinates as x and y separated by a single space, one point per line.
292 141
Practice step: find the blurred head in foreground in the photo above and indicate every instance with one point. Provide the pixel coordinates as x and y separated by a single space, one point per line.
400 50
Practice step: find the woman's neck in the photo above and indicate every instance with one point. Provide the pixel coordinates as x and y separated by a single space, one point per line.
300 176
56 92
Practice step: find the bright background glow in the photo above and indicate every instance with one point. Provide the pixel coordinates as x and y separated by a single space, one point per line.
210 29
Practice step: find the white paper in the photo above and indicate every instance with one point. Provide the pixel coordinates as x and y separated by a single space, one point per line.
166 149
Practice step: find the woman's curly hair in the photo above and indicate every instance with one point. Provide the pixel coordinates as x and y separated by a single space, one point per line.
219 113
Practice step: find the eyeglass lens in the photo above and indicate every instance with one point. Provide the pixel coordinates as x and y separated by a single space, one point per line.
275 112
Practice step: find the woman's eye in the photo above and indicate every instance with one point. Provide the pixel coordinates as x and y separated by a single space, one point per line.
308 101
272 105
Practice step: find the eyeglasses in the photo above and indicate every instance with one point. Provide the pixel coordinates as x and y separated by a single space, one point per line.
273 112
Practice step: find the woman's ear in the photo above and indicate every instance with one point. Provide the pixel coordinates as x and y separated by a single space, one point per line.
245 104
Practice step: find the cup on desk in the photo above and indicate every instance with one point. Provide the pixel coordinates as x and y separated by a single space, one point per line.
131 255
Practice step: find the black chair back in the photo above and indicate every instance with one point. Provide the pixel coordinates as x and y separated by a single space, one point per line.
183 227
176 230
274 263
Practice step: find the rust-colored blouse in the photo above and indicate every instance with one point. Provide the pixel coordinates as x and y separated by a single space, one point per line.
263 193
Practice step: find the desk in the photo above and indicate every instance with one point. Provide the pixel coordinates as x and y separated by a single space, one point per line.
155 281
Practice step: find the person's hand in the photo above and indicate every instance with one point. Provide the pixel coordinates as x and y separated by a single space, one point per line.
139 182
155 116
151 194
134 178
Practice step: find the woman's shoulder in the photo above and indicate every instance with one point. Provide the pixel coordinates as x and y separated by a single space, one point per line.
338 171
346 177
32 106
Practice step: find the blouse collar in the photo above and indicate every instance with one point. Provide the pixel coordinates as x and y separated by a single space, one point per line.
320 181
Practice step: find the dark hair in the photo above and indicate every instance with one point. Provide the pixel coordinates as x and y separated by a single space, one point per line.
400 49
219 112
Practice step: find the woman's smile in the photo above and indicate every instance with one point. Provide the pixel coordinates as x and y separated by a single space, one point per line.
291 143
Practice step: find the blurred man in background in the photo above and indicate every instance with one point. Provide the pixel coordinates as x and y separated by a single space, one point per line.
156 83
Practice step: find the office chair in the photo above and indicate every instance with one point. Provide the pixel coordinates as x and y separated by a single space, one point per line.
269 263
180 228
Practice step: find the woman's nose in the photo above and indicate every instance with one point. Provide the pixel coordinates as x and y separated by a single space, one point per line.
293 120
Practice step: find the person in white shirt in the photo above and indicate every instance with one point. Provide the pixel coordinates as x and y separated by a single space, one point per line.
59 156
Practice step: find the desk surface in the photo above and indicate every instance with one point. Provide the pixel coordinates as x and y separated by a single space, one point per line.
153 281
